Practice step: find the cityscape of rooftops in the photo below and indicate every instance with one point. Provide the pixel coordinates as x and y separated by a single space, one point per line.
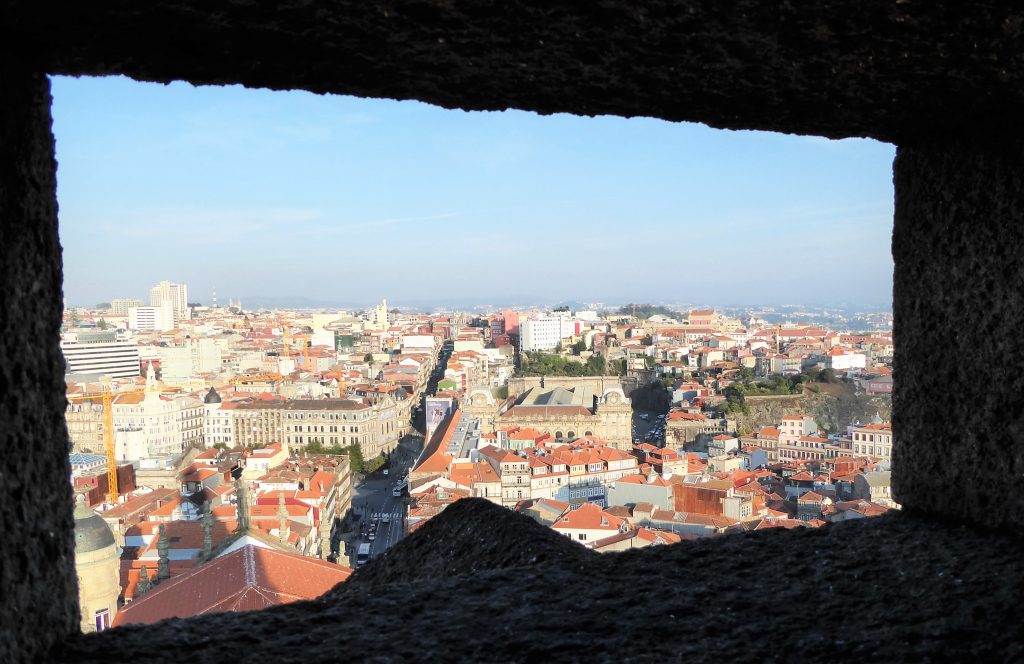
299 327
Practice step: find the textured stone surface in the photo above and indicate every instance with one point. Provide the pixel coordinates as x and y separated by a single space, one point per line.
926 75
470 539
37 582
958 411
894 588
889 69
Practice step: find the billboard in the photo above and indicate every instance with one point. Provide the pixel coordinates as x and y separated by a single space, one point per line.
436 410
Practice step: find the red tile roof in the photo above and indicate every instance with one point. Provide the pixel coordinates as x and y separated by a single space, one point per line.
248 579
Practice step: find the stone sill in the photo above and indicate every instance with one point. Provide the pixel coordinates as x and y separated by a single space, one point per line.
480 583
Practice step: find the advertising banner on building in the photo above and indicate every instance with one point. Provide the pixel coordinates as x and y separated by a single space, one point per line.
436 411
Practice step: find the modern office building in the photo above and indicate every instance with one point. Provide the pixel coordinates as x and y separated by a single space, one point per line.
99 354
159 318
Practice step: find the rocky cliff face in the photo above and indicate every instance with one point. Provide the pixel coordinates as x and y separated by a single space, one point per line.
834 406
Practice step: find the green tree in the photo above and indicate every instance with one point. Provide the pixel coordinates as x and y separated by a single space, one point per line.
827 376
102 324
579 347
596 365
813 374
355 458
501 392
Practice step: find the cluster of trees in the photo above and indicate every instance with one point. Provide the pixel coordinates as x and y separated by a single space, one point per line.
546 364
735 394
355 455
646 310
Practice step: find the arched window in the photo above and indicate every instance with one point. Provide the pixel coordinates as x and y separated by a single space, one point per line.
558 435
572 434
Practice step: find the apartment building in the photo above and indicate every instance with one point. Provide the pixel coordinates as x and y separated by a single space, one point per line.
373 425
121 305
156 425
873 440
543 333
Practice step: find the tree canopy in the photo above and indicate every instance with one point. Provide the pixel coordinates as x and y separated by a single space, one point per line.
646 310
546 364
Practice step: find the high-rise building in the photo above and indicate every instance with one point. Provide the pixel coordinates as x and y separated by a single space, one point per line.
121 305
379 316
176 295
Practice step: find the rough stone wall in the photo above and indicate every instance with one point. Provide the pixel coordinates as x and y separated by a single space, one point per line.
37 582
889 69
958 295
487 585
910 72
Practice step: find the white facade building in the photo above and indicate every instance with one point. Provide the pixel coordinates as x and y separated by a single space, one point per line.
118 359
540 333
217 423
156 425
159 319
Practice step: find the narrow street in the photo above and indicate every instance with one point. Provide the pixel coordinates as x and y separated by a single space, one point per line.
376 508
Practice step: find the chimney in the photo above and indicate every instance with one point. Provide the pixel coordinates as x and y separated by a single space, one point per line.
282 519
207 531
163 547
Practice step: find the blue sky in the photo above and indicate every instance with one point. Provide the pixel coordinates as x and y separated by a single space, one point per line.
278 194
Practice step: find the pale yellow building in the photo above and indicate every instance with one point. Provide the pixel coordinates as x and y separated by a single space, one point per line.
96 563
566 408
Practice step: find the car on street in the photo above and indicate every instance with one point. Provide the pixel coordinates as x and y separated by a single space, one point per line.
386 518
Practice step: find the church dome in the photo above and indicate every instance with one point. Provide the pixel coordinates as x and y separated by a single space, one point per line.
211 396
91 532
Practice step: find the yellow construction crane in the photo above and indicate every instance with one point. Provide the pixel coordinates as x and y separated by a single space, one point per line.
107 400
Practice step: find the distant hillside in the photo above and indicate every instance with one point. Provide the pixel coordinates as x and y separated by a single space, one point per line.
646 311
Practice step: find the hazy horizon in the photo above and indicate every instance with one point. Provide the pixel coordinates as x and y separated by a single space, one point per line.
339 199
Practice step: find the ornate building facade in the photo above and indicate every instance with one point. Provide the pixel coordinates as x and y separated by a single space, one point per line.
568 409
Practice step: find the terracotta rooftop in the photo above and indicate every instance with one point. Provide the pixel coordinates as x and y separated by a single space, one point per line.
248 579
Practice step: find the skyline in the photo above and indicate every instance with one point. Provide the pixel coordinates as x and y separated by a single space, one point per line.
289 195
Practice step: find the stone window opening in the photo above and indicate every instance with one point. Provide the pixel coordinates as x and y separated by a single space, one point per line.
957 176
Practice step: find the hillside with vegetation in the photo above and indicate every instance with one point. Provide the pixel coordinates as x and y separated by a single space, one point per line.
548 364
645 311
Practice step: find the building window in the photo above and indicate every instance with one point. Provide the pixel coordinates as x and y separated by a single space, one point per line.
102 619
